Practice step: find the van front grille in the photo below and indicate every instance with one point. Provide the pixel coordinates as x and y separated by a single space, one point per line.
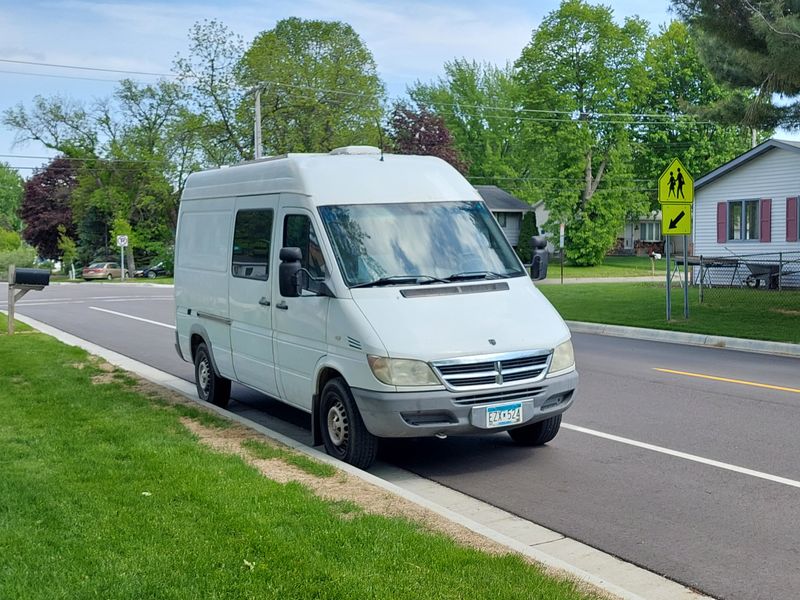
496 370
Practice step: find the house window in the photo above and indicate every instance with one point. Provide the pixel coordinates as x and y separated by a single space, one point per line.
650 231
743 220
501 219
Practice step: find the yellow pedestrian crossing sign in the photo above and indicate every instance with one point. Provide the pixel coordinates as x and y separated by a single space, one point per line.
676 185
676 219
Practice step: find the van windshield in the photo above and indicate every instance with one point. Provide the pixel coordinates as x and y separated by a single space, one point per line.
422 242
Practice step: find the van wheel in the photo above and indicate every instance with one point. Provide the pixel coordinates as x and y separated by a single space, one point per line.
210 386
110 277
343 431
537 434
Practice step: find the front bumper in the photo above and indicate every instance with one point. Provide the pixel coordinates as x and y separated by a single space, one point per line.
424 414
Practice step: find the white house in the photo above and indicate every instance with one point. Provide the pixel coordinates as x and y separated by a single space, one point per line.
507 209
748 208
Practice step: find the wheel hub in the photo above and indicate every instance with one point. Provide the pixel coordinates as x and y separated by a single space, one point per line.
202 375
338 426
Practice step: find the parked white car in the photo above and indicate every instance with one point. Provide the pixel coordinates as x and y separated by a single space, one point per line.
375 292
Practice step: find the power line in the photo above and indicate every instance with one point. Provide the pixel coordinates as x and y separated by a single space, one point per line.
574 115
53 76
81 68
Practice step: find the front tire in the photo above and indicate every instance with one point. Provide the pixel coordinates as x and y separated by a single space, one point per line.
210 386
536 434
343 431
151 274
110 277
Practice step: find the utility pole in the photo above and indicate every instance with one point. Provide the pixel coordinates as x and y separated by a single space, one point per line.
257 124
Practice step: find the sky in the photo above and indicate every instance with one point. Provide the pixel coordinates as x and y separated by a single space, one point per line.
409 39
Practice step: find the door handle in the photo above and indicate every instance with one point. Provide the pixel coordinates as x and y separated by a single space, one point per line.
264 301
282 305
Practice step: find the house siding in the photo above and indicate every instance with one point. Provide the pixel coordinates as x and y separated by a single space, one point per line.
512 226
775 175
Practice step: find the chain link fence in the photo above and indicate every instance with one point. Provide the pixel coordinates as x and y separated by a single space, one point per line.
768 279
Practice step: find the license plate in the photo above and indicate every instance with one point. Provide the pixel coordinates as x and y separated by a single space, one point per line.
504 414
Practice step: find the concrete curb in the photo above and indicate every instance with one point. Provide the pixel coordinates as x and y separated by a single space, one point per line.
692 339
551 549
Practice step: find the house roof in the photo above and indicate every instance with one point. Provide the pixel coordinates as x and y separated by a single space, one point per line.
740 160
500 200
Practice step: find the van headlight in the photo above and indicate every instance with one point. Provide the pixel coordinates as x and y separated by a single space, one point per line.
402 371
563 359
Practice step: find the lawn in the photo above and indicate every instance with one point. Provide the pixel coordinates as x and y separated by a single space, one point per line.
744 313
612 266
106 493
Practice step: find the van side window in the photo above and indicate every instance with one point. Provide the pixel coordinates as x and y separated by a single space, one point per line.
252 235
298 232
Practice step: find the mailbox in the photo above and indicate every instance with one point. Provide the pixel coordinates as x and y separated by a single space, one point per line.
31 277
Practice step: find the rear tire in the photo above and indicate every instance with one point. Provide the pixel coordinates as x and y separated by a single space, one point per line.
110 277
210 386
537 434
151 274
343 431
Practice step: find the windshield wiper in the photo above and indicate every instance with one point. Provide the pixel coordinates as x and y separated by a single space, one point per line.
466 275
399 280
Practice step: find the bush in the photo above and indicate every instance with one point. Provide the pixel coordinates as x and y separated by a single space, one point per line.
527 230
24 256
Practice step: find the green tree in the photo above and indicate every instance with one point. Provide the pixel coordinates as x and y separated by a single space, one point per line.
527 230
753 45
678 83
132 153
320 87
582 75
479 104
67 248
10 198
212 123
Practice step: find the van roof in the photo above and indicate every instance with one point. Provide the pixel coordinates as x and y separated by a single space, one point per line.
352 175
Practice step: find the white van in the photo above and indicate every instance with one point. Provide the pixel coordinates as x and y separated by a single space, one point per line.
375 292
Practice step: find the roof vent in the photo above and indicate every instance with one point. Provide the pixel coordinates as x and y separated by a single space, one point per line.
356 150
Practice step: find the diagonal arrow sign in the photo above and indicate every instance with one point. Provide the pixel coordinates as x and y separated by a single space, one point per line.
673 223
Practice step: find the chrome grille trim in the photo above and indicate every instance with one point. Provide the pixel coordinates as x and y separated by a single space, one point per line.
494 370
502 396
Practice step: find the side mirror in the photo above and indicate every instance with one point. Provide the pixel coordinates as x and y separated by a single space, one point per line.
289 272
541 257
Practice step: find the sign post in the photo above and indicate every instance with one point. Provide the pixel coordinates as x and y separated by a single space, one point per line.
561 246
676 196
122 242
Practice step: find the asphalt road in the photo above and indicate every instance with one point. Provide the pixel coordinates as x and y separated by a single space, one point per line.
691 477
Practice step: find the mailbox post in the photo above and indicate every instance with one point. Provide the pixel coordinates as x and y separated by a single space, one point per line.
20 282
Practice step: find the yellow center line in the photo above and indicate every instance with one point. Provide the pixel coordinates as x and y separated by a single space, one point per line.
727 380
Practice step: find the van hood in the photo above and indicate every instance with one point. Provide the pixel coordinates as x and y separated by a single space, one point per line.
436 322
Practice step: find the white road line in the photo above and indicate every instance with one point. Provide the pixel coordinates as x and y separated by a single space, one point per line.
685 456
119 314
85 300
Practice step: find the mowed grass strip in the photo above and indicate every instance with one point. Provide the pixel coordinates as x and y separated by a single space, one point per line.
18 327
612 266
105 494
742 313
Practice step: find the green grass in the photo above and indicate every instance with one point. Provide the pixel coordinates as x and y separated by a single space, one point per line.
612 266
743 313
268 451
104 494
18 327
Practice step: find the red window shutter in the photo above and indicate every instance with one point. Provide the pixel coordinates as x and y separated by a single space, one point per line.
722 222
766 220
791 220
